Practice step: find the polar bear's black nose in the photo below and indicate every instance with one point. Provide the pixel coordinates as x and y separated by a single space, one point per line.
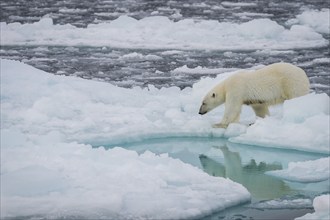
201 111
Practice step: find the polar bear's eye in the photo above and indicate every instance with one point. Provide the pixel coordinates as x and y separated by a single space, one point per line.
213 95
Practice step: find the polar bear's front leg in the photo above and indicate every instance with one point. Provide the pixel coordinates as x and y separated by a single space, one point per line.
219 125
261 110
232 113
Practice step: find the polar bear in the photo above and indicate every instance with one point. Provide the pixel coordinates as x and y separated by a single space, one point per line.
269 85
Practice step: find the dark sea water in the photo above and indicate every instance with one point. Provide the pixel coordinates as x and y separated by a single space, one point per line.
105 64
83 12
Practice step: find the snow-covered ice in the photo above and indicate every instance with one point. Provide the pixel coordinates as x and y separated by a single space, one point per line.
100 113
319 20
60 180
160 32
322 209
48 123
305 171
304 122
45 172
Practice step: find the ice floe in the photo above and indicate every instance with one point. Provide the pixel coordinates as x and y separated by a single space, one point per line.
160 32
70 180
305 171
319 20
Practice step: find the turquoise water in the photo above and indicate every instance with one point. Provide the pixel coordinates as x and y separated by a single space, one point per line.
246 165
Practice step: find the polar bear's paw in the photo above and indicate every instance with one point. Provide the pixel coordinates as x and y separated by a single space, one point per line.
219 125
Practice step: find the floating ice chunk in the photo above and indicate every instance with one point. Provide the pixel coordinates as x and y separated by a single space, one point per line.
305 171
201 70
252 30
139 56
319 20
283 204
322 209
253 14
238 4
72 10
172 52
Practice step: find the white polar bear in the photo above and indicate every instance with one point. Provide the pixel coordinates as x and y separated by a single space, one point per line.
269 85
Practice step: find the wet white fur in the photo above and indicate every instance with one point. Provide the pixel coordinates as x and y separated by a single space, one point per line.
260 88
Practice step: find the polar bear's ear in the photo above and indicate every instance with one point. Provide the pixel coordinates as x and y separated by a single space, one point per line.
213 95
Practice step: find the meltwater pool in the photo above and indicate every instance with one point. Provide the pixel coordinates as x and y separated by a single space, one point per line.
272 197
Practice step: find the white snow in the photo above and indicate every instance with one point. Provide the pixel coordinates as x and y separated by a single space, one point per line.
322 209
160 32
48 122
319 20
305 171
304 122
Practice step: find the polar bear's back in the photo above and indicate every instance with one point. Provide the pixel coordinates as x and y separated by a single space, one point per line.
274 83
293 80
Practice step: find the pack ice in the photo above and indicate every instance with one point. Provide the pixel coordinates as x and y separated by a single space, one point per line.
49 168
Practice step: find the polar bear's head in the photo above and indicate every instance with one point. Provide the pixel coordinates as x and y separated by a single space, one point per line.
212 99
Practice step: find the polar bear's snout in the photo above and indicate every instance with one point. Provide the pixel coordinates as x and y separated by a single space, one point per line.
202 109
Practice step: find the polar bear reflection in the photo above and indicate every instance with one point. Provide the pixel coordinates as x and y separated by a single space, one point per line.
251 175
